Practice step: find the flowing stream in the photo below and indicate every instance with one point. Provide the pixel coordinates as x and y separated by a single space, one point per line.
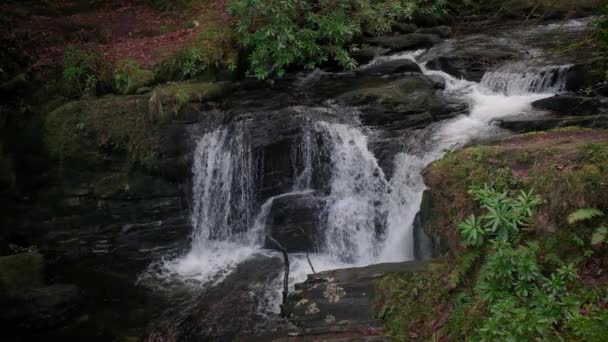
367 217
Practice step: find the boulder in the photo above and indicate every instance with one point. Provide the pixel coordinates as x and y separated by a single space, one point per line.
20 271
236 307
40 307
294 221
582 76
573 105
403 42
342 300
523 125
404 28
441 31
409 101
471 58
396 66
368 52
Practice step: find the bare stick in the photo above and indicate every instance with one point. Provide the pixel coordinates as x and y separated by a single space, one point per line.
307 257
286 277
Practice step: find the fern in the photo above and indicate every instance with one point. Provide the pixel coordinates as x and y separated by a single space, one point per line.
465 266
599 236
584 215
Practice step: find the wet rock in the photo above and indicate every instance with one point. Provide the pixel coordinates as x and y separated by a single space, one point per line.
20 271
341 300
405 28
403 42
408 102
471 58
368 52
426 244
441 31
40 307
294 221
523 125
573 105
237 306
582 76
397 66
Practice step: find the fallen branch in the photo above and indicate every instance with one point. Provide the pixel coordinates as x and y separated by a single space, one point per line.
307 257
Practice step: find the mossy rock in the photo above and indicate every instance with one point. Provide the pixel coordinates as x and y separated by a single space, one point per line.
19 271
410 94
92 128
135 80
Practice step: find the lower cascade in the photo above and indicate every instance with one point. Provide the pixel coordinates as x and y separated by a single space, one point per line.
365 217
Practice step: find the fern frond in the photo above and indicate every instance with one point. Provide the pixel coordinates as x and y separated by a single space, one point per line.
584 215
599 236
465 266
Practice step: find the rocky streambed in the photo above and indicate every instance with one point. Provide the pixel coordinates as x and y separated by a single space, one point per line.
182 243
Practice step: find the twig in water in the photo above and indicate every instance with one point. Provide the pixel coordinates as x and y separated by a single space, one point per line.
286 277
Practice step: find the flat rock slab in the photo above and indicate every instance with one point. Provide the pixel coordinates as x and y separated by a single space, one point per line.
342 301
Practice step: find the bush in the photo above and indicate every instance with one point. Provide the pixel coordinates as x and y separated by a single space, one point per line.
128 76
285 33
79 71
212 51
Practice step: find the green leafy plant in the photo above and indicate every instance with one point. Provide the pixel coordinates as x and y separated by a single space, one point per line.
212 50
284 33
505 215
79 71
128 76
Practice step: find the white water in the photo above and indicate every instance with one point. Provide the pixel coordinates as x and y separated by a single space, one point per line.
368 217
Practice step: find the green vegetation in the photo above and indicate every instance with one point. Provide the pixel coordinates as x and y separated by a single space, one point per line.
19 271
92 128
128 76
211 52
80 71
523 265
294 33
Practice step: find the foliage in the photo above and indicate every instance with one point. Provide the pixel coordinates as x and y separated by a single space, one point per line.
285 33
128 75
79 71
504 218
212 50
584 215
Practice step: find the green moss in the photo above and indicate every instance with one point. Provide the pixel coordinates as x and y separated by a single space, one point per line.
20 271
166 101
93 127
409 303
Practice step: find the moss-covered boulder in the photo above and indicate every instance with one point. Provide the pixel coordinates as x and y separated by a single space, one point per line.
20 271
411 100
94 128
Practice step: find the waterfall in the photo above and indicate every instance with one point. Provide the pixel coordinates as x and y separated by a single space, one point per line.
367 217
355 211
223 187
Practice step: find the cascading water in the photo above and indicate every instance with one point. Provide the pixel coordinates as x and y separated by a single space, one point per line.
367 217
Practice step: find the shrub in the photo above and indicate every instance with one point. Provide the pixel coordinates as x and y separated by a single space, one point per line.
79 71
210 52
128 76
285 33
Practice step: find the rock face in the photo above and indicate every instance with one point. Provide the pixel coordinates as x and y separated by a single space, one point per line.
294 221
342 300
441 31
